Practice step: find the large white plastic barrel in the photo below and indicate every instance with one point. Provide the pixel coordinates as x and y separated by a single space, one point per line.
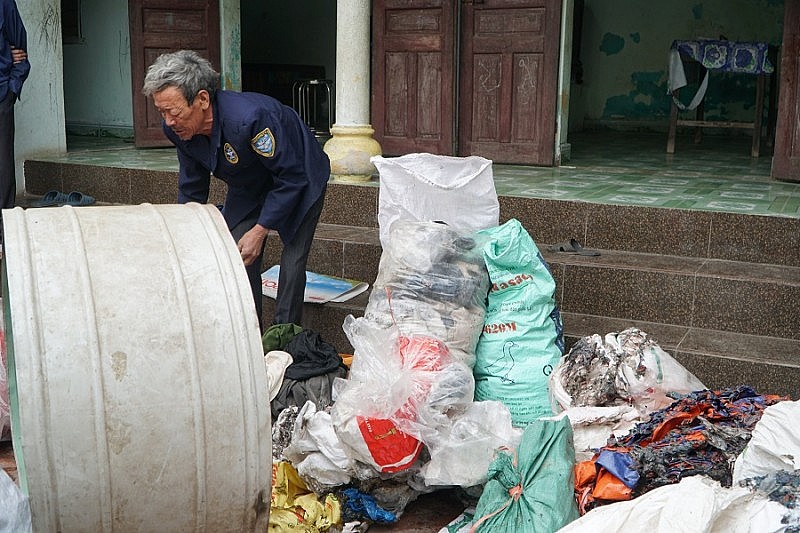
137 378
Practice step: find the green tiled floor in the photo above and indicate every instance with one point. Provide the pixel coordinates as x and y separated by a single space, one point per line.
634 169
606 167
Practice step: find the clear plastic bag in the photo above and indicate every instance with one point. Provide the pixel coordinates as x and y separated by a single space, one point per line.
623 368
432 280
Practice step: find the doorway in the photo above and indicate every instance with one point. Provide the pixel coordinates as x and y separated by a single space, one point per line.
471 78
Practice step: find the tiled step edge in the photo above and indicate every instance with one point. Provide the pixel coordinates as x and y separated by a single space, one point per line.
678 232
734 296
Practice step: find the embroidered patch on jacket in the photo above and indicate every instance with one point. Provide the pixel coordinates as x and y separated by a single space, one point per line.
230 154
264 143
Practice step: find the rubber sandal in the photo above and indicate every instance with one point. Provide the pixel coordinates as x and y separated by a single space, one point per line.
78 198
573 247
50 199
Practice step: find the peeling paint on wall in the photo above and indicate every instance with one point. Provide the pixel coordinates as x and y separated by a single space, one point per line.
648 99
624 54
612 44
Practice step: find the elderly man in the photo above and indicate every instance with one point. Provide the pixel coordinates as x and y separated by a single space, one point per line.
274 167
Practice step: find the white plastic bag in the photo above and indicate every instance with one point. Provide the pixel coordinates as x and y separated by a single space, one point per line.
426 187
696 504
15 512
624 368
774 444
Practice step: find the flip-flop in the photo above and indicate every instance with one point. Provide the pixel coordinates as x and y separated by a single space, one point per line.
50 199
78 198
573 247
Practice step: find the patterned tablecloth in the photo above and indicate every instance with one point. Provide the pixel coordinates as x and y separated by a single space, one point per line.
727 56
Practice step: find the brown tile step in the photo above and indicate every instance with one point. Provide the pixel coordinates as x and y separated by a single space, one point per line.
735 296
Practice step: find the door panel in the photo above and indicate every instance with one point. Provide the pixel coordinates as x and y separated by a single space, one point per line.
509 71
413 75
786 160
158 26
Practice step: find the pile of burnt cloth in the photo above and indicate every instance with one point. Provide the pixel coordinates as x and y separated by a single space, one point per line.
700 433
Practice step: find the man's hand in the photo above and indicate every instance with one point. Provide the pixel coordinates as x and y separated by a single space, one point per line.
18 55
251 242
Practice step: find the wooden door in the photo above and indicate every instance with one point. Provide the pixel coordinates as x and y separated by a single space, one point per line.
413 75
509 73
158 26
786 158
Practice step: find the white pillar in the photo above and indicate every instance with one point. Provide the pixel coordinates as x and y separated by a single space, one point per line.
352 144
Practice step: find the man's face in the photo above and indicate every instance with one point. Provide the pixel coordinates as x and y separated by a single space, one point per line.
184 119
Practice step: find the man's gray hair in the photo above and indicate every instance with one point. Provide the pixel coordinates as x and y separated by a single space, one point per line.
186 70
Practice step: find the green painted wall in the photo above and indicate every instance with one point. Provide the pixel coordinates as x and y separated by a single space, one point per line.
624 51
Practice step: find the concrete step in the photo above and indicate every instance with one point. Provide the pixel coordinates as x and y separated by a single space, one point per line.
719 290
718 358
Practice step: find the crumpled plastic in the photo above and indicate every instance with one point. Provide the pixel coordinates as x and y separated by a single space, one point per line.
624 368
295 508
15 512
316 452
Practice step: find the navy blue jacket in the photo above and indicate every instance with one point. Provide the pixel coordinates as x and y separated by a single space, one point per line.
264 152
12 32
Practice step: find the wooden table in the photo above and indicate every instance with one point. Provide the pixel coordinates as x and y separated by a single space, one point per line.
749 58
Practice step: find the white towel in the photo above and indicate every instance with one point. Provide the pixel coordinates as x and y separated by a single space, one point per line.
677 79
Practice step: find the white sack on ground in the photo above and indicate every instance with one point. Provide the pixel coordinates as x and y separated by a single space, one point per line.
774 444
458 191
697 504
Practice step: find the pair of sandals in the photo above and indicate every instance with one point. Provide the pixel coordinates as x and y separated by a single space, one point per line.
573 247
57 198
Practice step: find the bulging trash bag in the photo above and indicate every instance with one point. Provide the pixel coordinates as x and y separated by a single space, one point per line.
531 489
432 281
622 368
522 337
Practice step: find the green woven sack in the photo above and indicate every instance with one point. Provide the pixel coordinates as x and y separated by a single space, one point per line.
522 337
532 490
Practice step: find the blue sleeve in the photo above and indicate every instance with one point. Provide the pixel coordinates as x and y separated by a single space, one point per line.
288 168
15 34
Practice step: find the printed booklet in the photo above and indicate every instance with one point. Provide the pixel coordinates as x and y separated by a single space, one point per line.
320 288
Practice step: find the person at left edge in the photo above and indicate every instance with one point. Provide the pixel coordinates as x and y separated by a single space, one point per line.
14 70
274 167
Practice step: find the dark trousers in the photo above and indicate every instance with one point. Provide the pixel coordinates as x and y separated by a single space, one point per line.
8 181
292 278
